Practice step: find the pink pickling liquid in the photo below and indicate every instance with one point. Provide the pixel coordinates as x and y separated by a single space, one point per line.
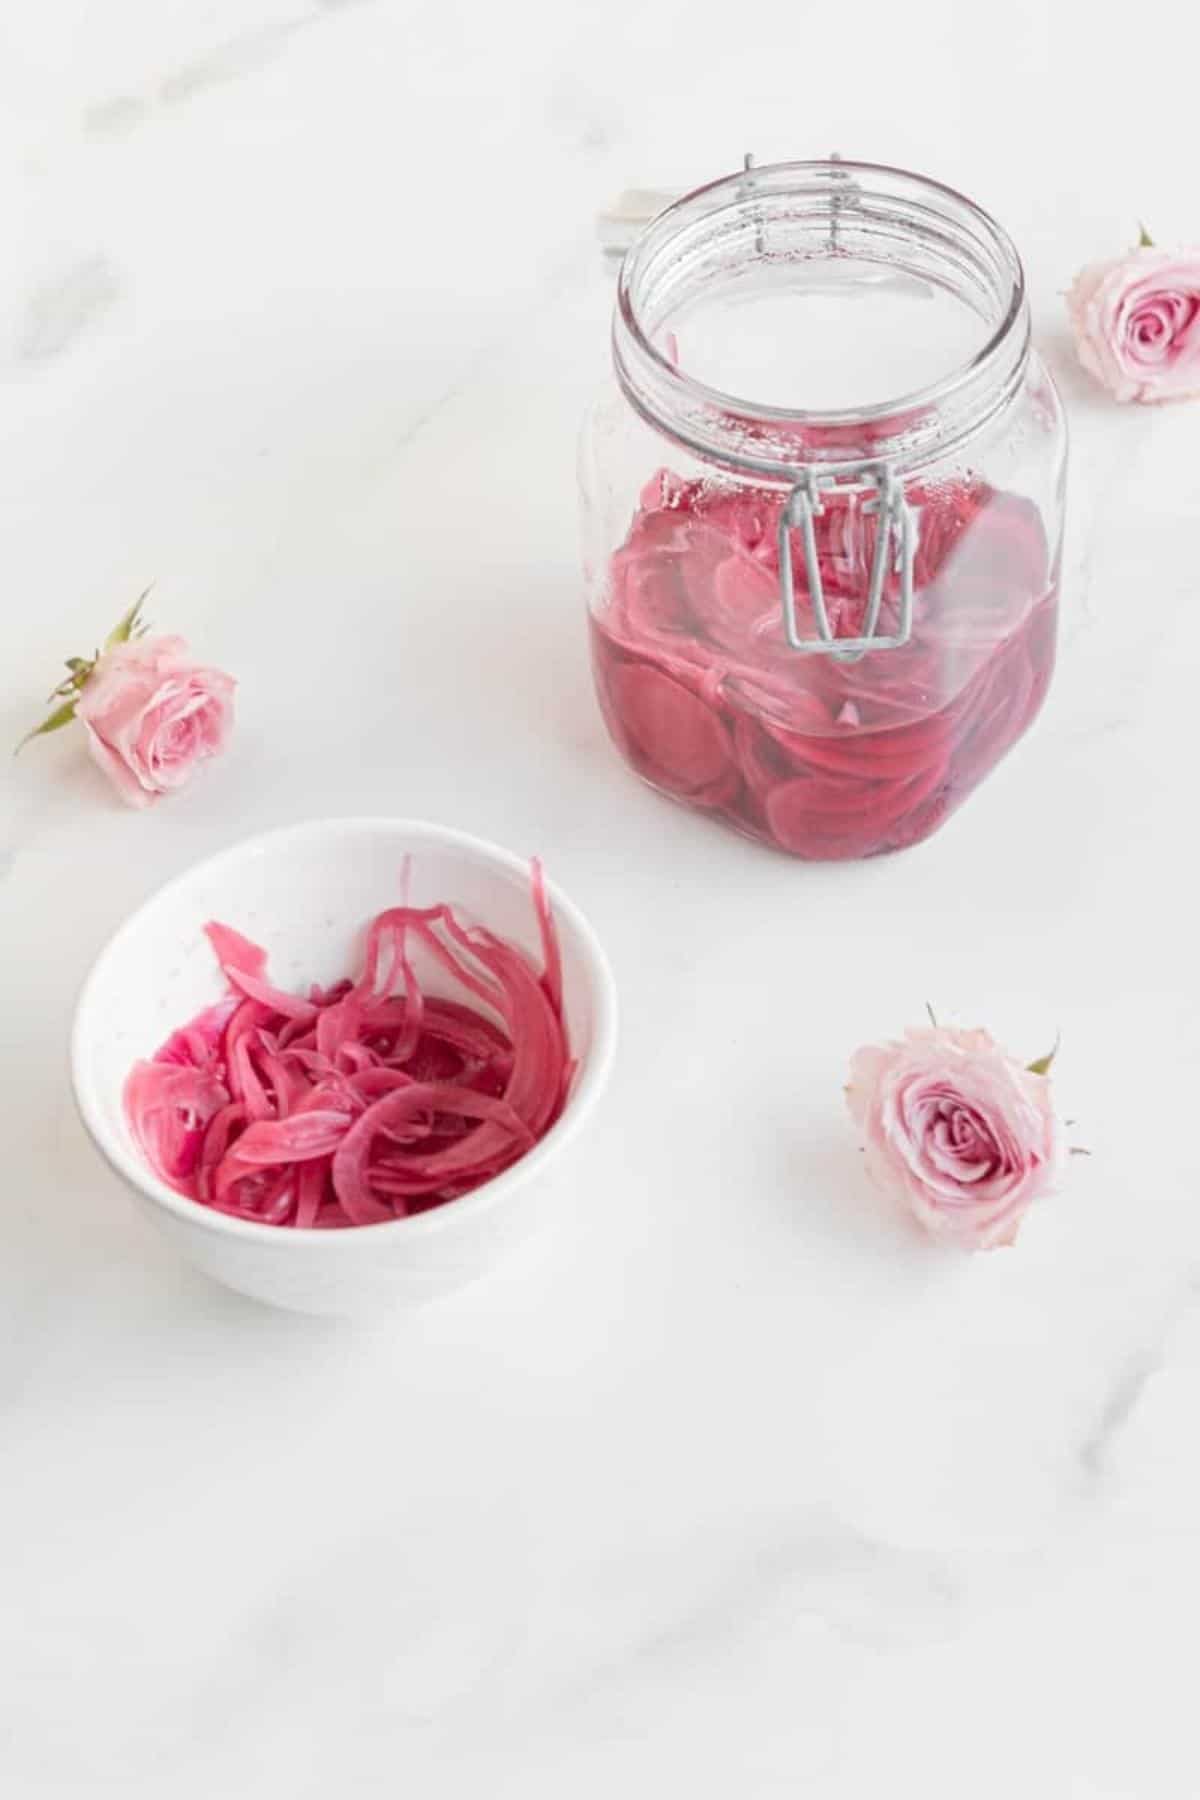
820 758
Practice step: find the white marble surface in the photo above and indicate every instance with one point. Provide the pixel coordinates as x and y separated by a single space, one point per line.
733 1486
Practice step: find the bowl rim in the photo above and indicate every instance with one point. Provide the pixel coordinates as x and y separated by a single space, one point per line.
592 1076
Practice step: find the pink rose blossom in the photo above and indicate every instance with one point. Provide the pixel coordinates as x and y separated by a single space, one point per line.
152 715
957 1130
1136 321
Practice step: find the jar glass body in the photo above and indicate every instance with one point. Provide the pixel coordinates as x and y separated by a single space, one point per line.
823 627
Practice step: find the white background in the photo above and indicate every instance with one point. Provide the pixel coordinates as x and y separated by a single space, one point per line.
731 1486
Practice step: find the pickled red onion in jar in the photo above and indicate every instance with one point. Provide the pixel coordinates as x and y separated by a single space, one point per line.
822 758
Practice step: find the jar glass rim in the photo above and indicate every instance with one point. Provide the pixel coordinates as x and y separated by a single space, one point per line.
660 390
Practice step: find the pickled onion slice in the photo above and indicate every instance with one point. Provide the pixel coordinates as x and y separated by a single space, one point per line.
235 952
196 1044
360 1102
466 1157
170 1107
672 735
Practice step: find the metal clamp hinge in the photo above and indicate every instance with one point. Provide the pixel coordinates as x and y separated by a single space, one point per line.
895 548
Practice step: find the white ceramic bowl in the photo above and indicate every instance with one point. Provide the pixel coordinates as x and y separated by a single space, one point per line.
307 893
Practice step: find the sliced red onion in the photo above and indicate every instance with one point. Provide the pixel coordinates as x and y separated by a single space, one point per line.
362 1101
170 1108
708 702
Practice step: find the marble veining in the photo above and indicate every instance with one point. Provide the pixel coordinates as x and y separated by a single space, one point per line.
65 306
213 68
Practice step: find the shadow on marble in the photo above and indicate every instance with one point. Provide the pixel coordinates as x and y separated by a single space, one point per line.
841 1205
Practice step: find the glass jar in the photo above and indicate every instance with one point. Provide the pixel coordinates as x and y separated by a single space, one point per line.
823 506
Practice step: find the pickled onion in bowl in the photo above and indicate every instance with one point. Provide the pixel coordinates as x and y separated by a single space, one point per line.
369 1099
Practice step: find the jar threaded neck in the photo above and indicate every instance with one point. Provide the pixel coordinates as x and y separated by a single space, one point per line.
784 218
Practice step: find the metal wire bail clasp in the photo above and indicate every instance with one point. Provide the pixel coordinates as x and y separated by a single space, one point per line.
895 544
